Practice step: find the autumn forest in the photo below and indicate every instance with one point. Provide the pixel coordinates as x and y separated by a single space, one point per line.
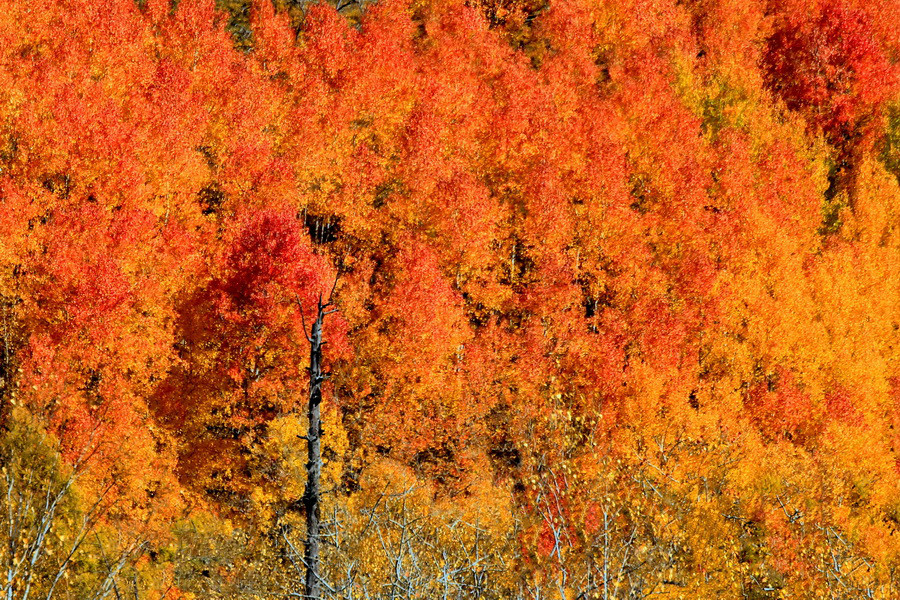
608 296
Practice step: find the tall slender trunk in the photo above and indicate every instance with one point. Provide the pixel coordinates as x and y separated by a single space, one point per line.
312 494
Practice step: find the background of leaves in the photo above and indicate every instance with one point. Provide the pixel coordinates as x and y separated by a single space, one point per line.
618 286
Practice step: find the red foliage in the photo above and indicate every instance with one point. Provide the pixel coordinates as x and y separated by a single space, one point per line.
825 58
782 410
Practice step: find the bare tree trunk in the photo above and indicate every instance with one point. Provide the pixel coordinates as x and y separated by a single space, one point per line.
312 494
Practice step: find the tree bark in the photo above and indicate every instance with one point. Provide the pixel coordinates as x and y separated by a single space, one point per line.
312 493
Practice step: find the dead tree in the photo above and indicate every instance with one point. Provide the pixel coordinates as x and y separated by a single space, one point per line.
313 492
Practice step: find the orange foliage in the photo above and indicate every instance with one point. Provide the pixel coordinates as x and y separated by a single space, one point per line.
605 235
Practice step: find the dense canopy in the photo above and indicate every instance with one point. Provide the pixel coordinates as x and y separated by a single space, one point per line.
618 286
